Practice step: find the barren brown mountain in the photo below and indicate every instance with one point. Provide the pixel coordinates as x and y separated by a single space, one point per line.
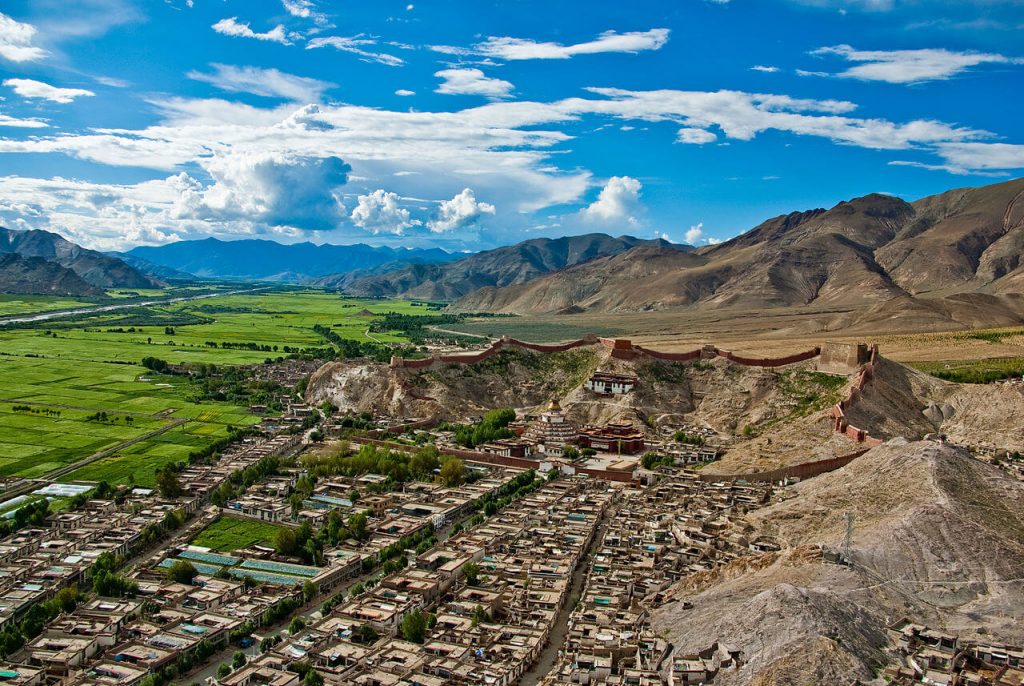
952 258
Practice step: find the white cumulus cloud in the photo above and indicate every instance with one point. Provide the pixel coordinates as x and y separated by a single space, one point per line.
618 202
232 27
504 151
696 136
508 48
403 93
906 66
471 82
270 189
695 233
764 68
270 83
379 212
461 211
37 90
16 41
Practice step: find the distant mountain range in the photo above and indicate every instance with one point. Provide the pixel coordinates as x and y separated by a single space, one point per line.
502 267
954 256
156 270
265 260
46 263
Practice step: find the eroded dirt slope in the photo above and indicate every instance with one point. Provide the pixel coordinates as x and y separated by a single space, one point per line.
938 537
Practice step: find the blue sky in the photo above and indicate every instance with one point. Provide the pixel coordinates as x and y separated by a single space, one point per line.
467 125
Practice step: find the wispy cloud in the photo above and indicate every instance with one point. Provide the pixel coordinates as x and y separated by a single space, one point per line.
765 69
232 27
305 9
357 46
15 122
270 83
509 48
984 159
905 66
37 90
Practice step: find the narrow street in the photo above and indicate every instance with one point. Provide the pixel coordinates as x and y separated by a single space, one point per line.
556 641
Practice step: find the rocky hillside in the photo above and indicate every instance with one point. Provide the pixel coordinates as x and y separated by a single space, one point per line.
937 538
508 266
772 417
901 401
952 256
95 268
36 276
718 394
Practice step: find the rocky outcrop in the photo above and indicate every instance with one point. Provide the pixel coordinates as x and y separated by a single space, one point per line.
937 538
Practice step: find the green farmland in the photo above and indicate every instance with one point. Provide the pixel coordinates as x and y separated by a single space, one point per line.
12 305
229 534
55 376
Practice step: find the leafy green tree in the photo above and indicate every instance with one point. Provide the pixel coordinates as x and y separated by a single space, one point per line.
453 472
480 615
182 572
414 627
471 571
223 670
357 526
167 483
308 591
238 659
285 541
364 633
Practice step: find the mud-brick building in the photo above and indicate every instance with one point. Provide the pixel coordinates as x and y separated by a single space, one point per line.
608 383
622 438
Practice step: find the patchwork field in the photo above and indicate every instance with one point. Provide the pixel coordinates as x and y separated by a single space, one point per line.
229 534
55 376
27 304
48 418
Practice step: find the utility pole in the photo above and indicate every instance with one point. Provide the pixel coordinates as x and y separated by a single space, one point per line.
848 539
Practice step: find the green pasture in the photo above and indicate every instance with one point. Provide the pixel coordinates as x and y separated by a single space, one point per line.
229 534
81 366
137 464
11 305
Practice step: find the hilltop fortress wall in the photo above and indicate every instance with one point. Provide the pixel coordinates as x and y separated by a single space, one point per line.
494 348
841 425
620 348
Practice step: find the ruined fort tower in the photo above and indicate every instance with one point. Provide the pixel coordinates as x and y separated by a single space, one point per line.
843 358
